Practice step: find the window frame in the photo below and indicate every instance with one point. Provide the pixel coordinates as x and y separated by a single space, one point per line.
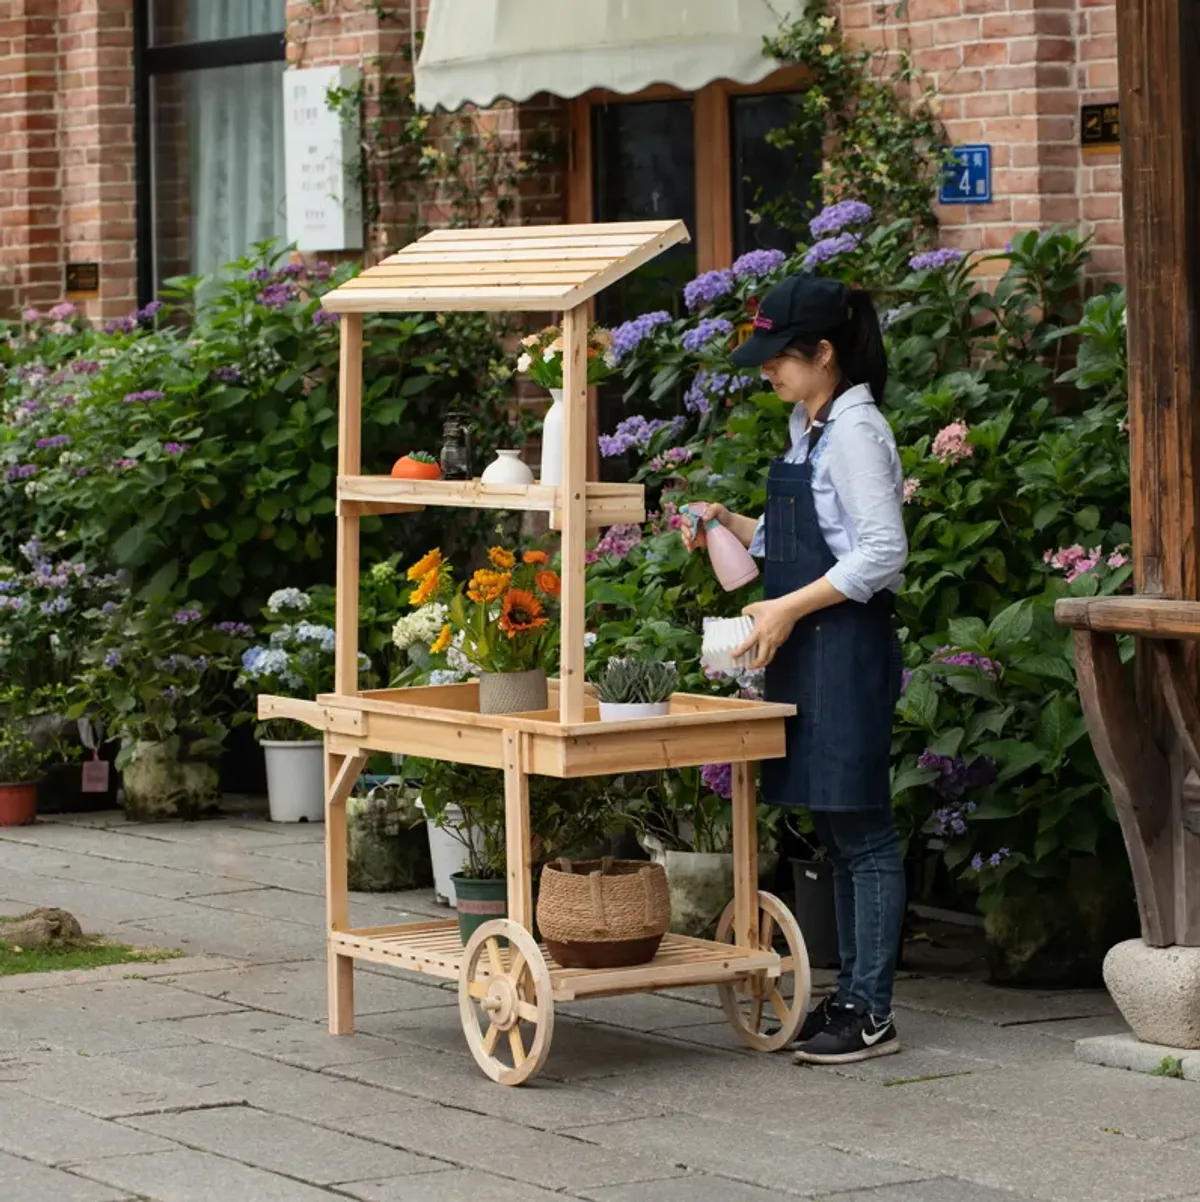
175 58
713 235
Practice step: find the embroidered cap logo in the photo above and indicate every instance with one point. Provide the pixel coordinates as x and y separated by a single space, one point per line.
763 323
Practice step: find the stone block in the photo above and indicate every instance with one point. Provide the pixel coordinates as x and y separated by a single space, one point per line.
693 1188
53 1134
1157 990
135 1001
1129 1052
25 1181
288 1146
452 1185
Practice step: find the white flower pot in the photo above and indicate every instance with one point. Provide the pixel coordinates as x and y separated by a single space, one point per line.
552 440
447 853
507 468
616 711
295 779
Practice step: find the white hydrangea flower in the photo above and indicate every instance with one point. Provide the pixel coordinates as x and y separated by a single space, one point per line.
446 676
287 598
423 626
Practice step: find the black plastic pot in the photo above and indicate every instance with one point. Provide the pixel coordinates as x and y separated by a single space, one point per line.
61 789
812 882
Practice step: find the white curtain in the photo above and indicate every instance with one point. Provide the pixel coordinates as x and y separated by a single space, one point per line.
235 137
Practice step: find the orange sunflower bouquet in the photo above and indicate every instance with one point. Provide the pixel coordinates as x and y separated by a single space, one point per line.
504 618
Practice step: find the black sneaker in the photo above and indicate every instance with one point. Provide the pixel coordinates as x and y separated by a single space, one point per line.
817 1019
849 1036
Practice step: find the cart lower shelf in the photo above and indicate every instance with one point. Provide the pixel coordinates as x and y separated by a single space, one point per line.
508 983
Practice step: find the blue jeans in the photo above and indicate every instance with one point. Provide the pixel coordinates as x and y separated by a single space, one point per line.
869 896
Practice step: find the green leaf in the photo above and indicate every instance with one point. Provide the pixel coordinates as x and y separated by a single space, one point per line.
1011 625
286 538
909 778
967 633
948 743
161 582
202 564
1012 757
268 509
1088 518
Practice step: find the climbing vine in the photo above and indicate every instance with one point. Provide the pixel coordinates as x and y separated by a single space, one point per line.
875 117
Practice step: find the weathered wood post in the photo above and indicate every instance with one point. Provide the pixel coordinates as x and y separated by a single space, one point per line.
1149 747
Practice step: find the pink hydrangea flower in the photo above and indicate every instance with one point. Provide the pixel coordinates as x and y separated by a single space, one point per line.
617 542
912 486
1073 561
950 445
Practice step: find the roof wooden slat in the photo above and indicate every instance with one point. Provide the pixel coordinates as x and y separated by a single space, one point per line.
525 268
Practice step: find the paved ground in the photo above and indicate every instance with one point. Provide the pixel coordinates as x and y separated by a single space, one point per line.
211 1079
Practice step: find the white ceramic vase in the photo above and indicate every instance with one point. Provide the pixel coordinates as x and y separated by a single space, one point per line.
447 854
507 468
295 780
619 711
552 440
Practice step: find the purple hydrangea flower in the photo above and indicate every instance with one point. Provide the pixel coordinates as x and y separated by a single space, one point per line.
758 262
625 337
121 325
707 329
292 271
260 275
170 692
16 604
113 658
30 314
109 607
237 629
321 270
276 296
967 659
617 541
891 316
706 288
323 317
122 465
149 394
955 776
977 861
709 386
175 449
633 432
185 617
84 367
55 440
67 402
830 248
836 217
670 459
62 311
22 471
149 311
718 778
57 605
935 260
227 374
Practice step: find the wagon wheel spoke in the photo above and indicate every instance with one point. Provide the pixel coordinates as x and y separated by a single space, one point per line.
494 958
517 969
528 1011
756 1014
491 1039
518 1047
766 932
787 965
779 1005
478 990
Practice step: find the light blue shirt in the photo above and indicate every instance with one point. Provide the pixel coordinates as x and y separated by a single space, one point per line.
858 491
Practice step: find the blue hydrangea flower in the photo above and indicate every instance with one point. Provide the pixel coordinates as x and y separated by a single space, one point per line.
758 262
627 336
936 260
633 432
288 598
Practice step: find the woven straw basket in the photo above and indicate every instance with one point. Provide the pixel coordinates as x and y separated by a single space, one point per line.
603 913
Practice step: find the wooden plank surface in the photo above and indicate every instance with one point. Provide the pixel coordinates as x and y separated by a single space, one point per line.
517 834
580 231
1150 617
573 511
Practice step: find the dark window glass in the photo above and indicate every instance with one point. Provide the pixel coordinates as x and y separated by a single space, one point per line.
218 167
763 173
175 21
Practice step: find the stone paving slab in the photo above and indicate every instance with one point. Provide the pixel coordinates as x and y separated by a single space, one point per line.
98 1086
136 1001
22 1180
288 1146
640 1011
227 933
190 1176
104 905
455 1185
141 970
1126 1052
692 1188
1001 1007
744 1153
944 1189
510 1150
298 990
56 1135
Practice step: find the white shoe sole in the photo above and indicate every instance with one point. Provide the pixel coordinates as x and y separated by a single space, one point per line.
884 1049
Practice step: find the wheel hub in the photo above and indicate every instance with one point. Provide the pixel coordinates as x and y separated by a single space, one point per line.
500 1004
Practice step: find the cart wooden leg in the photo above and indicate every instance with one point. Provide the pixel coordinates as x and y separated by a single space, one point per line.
341 772
517 836
745 857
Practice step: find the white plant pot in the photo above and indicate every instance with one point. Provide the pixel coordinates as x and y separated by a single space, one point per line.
295 780
617 711
447 853
507 468
552 440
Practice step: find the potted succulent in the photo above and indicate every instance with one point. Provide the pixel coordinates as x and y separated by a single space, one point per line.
295 660
157 677
417 465
501 623
542 359
635 688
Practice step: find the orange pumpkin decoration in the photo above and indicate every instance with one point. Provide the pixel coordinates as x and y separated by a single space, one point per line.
417 465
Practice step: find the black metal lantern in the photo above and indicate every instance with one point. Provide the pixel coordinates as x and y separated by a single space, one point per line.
458 446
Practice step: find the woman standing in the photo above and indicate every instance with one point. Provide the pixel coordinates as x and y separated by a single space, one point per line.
834 543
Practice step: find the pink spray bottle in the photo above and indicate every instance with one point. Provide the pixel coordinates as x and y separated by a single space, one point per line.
732 564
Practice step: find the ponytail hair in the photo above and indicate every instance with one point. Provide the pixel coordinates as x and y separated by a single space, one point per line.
857 340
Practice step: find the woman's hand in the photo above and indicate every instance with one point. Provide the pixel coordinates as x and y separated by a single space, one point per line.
713 510
773 624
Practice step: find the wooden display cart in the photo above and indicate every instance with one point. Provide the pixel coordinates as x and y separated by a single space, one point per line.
507 983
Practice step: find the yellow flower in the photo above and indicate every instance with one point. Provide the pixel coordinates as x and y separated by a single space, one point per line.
486 586
826 50
430 562
441 642
502 558
425 590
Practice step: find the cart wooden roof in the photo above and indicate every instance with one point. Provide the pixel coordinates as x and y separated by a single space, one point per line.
531 268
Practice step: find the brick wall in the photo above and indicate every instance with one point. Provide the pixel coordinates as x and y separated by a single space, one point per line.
66 150
1013 74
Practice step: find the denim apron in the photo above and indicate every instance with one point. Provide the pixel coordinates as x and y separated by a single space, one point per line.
840 667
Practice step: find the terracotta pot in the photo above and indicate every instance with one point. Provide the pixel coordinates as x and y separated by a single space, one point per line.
18 804
406 468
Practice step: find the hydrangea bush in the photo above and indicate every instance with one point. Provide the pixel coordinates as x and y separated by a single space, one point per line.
1017 492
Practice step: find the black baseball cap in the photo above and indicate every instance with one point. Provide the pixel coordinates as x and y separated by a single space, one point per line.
802 306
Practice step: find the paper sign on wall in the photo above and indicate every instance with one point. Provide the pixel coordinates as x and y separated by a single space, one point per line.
324 196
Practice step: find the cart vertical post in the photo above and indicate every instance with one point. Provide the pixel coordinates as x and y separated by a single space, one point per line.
516 831
745 857
341 968
572 495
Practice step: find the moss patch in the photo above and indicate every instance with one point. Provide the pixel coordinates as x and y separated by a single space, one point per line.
75 954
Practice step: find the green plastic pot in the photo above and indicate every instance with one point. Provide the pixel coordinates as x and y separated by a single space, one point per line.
478 902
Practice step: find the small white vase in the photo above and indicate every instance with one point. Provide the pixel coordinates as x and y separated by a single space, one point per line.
552 440
619 711
295 780
507 468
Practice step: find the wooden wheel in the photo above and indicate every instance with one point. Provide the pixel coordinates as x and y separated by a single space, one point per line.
764 1012
505 1002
